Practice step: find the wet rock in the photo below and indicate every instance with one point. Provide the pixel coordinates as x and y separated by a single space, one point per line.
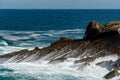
116 65
99 41
104 64
111 74
88 59
58 60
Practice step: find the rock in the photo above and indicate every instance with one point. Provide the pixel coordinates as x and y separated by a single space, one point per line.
96 31
58 60
88 59
104 64
112 23
111 74
61 40
116 65
99 41
92 30
36 48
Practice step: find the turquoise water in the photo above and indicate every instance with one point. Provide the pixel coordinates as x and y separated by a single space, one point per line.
21 29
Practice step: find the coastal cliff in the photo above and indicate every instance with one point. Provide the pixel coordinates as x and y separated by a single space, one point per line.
98 41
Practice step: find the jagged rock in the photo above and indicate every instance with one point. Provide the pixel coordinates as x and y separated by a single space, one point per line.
92 30
105 64
111 74
96 31
58 60
99 41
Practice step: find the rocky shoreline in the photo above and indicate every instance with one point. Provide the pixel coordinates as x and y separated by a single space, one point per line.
99 41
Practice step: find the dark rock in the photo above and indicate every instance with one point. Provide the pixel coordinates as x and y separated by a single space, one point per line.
96 31
111 74
92 30
61 40
88 59
58 60
104 64
116 65
99 41
36 48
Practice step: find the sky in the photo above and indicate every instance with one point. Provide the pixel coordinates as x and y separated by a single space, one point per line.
59 4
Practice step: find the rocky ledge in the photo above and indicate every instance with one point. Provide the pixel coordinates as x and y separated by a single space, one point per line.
99 41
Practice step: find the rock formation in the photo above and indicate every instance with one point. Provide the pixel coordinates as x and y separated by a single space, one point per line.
99 41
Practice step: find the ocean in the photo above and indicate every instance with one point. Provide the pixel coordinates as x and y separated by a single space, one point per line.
27 29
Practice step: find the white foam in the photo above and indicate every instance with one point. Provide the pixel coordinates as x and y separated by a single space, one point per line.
9 49
89 72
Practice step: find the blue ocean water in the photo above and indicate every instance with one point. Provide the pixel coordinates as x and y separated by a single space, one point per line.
41 27
39 20
21 29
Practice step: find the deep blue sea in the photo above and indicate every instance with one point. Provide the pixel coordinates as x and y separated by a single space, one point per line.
21 29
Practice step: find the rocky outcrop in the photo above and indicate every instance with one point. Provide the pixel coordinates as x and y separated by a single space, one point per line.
96 31
100 40
111 74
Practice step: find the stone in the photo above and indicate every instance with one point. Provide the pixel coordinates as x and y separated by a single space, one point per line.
96 31
111 74
36 48
58 60
104 64
116 65
92 30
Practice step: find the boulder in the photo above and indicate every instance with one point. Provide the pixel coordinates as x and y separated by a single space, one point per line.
92 30
111 74
96 31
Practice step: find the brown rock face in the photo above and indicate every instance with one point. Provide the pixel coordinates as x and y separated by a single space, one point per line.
99 41
96 31
111 74
92 30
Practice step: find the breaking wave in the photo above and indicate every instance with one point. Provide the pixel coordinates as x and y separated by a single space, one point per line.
17 40
67 70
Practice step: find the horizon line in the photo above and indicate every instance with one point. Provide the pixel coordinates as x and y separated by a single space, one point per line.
63 9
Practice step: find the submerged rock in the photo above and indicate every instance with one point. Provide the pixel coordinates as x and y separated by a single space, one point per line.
105 64
58 60
88 59
111 74
116 65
